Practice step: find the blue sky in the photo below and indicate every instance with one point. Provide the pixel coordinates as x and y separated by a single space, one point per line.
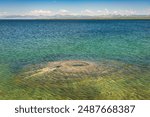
74 7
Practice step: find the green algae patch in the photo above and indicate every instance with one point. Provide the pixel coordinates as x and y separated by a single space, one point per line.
121 81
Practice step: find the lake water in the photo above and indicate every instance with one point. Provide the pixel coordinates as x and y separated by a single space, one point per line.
30 42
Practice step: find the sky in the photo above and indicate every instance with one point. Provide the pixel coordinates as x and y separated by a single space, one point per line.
73 7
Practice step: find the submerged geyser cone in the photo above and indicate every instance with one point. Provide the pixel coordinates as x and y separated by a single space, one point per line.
70 67
74 66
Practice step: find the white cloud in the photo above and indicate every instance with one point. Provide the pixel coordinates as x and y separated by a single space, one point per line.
40 13
104 12
63 12
87 12
3 13
125 12
147 11
116 12
48 12
108 12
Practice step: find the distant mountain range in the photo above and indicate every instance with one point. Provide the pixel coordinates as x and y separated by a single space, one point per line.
76 17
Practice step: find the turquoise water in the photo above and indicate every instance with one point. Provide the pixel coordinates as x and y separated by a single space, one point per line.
24 42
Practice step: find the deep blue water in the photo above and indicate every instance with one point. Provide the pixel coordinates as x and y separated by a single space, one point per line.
25 42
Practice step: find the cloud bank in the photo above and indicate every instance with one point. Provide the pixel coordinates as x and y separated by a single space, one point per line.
87 12
40 12
3 13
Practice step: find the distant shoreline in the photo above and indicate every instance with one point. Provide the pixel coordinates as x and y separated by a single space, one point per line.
85 19
66 17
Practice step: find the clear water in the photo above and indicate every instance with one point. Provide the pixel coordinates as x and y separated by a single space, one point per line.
24 42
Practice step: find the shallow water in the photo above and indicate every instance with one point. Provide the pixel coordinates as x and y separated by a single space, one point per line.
33 42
